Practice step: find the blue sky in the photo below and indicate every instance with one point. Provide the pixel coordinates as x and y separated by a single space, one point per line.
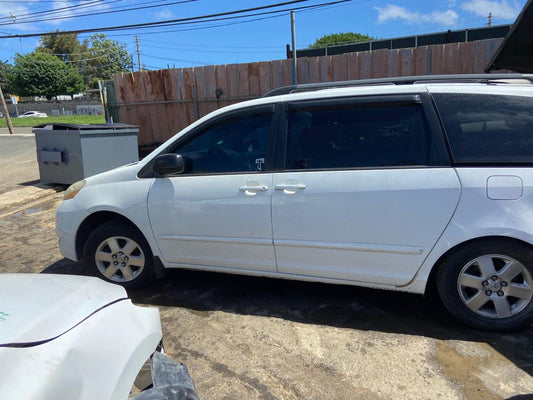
254 38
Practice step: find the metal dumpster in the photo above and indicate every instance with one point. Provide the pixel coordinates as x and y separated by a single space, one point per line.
67 153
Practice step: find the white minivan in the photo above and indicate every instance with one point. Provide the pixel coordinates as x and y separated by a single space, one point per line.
404 184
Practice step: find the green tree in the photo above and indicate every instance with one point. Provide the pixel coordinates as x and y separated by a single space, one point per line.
5 71
64 46
97 58
339 38
106 58
41 74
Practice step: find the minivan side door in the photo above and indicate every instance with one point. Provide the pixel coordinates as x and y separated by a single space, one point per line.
217 213
363 188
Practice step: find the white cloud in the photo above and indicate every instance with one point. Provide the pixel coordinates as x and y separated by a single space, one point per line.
66 10
502 9
446 18
393 12
8 15
164 14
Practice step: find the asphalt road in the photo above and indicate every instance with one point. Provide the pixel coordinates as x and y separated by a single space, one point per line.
18 161
256 338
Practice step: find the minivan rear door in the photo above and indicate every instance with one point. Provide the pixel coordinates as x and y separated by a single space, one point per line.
363 189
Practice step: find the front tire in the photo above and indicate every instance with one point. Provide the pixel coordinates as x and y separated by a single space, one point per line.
119 254
489 285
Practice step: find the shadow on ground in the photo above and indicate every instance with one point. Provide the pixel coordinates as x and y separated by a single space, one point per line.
58 187
316 303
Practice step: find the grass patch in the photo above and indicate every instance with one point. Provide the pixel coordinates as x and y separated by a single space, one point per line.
73 119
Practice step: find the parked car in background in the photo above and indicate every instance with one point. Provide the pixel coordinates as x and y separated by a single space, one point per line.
410 184
36 114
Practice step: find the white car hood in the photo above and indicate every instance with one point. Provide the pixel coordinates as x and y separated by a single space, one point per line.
41 307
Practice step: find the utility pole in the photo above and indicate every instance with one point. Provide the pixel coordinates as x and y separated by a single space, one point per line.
138 52
6 112
294 66
490 19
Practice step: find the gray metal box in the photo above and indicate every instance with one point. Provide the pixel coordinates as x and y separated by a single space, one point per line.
67 153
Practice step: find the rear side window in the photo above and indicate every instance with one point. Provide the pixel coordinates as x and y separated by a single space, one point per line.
358 136
487 129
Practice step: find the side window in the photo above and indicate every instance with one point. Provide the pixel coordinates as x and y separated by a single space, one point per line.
487 129
358 135
237 143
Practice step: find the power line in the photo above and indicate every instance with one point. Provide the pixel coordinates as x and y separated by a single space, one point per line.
210 50
174 59
110 11
209 46
13 18
311 8
280 13
161 23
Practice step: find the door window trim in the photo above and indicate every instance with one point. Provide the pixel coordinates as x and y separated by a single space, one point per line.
423 98
273 108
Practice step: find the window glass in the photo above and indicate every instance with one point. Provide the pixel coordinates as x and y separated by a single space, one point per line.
351 136
487 129
236 144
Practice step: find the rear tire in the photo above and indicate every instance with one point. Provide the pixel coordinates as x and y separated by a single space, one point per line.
119 254
489 285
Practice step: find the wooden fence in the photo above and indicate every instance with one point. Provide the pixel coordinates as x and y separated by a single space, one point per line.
165 101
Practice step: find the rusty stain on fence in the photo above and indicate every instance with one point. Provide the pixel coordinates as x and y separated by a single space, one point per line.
164 102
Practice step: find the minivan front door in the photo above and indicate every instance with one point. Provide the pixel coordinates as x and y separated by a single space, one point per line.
217 215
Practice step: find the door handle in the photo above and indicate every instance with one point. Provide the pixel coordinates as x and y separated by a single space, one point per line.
291 186
254 188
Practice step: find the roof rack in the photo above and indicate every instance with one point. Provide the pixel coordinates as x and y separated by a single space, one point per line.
404 80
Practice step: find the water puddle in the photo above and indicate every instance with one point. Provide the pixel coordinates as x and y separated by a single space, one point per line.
36 208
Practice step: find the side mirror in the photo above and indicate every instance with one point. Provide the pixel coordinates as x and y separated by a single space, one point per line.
169 164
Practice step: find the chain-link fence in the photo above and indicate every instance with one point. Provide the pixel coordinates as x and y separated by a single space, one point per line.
159 120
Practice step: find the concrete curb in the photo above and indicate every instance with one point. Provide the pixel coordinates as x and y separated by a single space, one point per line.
18 131
14 199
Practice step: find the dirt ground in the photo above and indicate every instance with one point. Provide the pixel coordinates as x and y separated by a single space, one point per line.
257 338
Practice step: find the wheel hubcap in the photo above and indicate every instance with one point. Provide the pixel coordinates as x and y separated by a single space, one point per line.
495 286
119 259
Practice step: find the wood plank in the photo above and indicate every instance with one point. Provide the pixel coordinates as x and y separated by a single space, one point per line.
277 73
393 63
313 70
145 113
407 62
302 70
437 60
422 64
286 73
208 85
265 77
244 89
380 60
352 66
365 64
339 70
253 79
232 80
